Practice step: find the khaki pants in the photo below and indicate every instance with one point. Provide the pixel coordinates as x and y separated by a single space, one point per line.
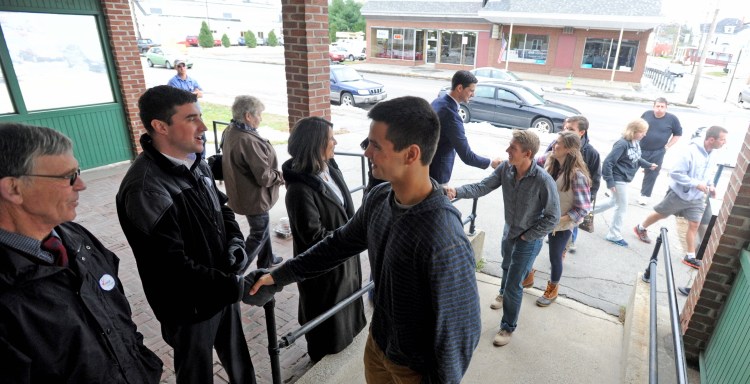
380 370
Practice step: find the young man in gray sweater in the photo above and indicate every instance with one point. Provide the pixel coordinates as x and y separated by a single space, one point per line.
426 321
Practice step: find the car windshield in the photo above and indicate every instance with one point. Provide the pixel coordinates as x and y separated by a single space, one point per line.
347 74
529 96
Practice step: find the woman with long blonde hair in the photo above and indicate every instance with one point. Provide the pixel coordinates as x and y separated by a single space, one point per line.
566 165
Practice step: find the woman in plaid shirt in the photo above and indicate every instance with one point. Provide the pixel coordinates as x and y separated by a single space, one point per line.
565 164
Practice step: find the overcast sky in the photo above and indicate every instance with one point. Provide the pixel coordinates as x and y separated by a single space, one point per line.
702 11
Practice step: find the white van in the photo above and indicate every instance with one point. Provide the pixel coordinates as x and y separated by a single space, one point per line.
355 49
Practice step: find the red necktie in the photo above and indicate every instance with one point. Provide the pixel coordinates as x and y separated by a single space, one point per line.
55 246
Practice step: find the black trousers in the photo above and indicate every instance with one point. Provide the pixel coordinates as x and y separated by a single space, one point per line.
194 343
649 176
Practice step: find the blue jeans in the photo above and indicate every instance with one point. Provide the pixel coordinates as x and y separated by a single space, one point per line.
258 243
518 257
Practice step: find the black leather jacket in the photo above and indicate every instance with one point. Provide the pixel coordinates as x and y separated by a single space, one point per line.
178 224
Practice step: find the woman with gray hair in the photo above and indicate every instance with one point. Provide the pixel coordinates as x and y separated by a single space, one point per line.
318 202
251 176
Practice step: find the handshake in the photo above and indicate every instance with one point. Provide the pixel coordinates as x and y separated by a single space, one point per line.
264 294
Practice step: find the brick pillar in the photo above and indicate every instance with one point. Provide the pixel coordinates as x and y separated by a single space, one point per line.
306 42
122 42
721 261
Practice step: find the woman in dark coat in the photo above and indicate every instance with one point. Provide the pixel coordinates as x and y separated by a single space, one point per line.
318 202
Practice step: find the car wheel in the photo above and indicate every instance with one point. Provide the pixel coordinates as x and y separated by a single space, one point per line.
150 63
168 64
464 113
347 99
543 125
351 57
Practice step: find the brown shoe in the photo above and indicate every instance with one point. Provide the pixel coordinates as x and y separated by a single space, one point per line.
502 338
528 282
497 303
549 295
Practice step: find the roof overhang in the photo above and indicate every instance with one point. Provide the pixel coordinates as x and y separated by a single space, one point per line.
611 22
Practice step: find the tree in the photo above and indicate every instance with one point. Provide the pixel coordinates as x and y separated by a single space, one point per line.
344 15
250 40
272 41
205 37
225 41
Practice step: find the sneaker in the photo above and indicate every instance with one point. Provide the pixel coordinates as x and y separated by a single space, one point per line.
620 242
502 338
643 200
645 279
683 290
277 260
691 262
497 303
642 234
572 248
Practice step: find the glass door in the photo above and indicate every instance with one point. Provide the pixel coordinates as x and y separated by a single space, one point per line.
431 47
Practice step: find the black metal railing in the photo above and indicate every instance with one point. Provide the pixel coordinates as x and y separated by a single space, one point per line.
217 141
679 349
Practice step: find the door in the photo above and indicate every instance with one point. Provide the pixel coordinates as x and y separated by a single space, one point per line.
431 47
482 105
566 47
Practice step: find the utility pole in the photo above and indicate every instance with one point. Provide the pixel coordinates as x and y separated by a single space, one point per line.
709 36
676 41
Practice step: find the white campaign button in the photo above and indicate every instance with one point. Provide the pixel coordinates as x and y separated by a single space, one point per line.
107 282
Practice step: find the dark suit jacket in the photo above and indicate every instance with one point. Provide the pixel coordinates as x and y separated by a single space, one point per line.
452 141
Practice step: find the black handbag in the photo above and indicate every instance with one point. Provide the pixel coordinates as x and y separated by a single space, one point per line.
214 162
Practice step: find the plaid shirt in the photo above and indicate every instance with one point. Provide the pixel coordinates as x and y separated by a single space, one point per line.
581 194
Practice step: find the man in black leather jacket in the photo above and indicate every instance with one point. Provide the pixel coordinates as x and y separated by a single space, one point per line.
64 317
188 246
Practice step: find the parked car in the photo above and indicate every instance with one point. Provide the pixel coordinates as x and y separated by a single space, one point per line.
349 88
217 42
159 56
336 54
513 105
485 74
241 40
145 44
192 41
744 95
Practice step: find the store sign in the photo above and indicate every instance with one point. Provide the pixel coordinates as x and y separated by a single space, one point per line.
382 34
398 36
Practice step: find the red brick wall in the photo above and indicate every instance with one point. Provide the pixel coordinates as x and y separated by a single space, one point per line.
720 262
305 28
122 42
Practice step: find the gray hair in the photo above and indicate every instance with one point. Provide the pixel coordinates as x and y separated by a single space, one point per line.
22 144
246 104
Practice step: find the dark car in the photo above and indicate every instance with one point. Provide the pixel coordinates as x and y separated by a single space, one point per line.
192 41
145 44
515 106
349 88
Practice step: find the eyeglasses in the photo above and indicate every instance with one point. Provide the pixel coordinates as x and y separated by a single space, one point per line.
71 177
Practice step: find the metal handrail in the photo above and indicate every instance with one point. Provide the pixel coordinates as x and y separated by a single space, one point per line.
217 143
679 349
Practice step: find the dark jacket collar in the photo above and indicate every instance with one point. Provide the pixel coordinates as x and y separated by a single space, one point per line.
147 143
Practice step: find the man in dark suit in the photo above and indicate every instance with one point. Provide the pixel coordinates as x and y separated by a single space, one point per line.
452 135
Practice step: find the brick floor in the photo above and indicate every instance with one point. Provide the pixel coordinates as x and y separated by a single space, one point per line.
97 212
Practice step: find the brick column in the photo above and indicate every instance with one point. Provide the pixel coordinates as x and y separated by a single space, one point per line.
306 59
122 42
721 261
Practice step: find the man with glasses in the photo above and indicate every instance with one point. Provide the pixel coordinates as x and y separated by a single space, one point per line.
188 245
64 316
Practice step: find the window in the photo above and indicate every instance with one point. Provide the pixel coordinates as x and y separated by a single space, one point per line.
381 44
485 92
6 105
457 47
600 54
526 48
57 59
